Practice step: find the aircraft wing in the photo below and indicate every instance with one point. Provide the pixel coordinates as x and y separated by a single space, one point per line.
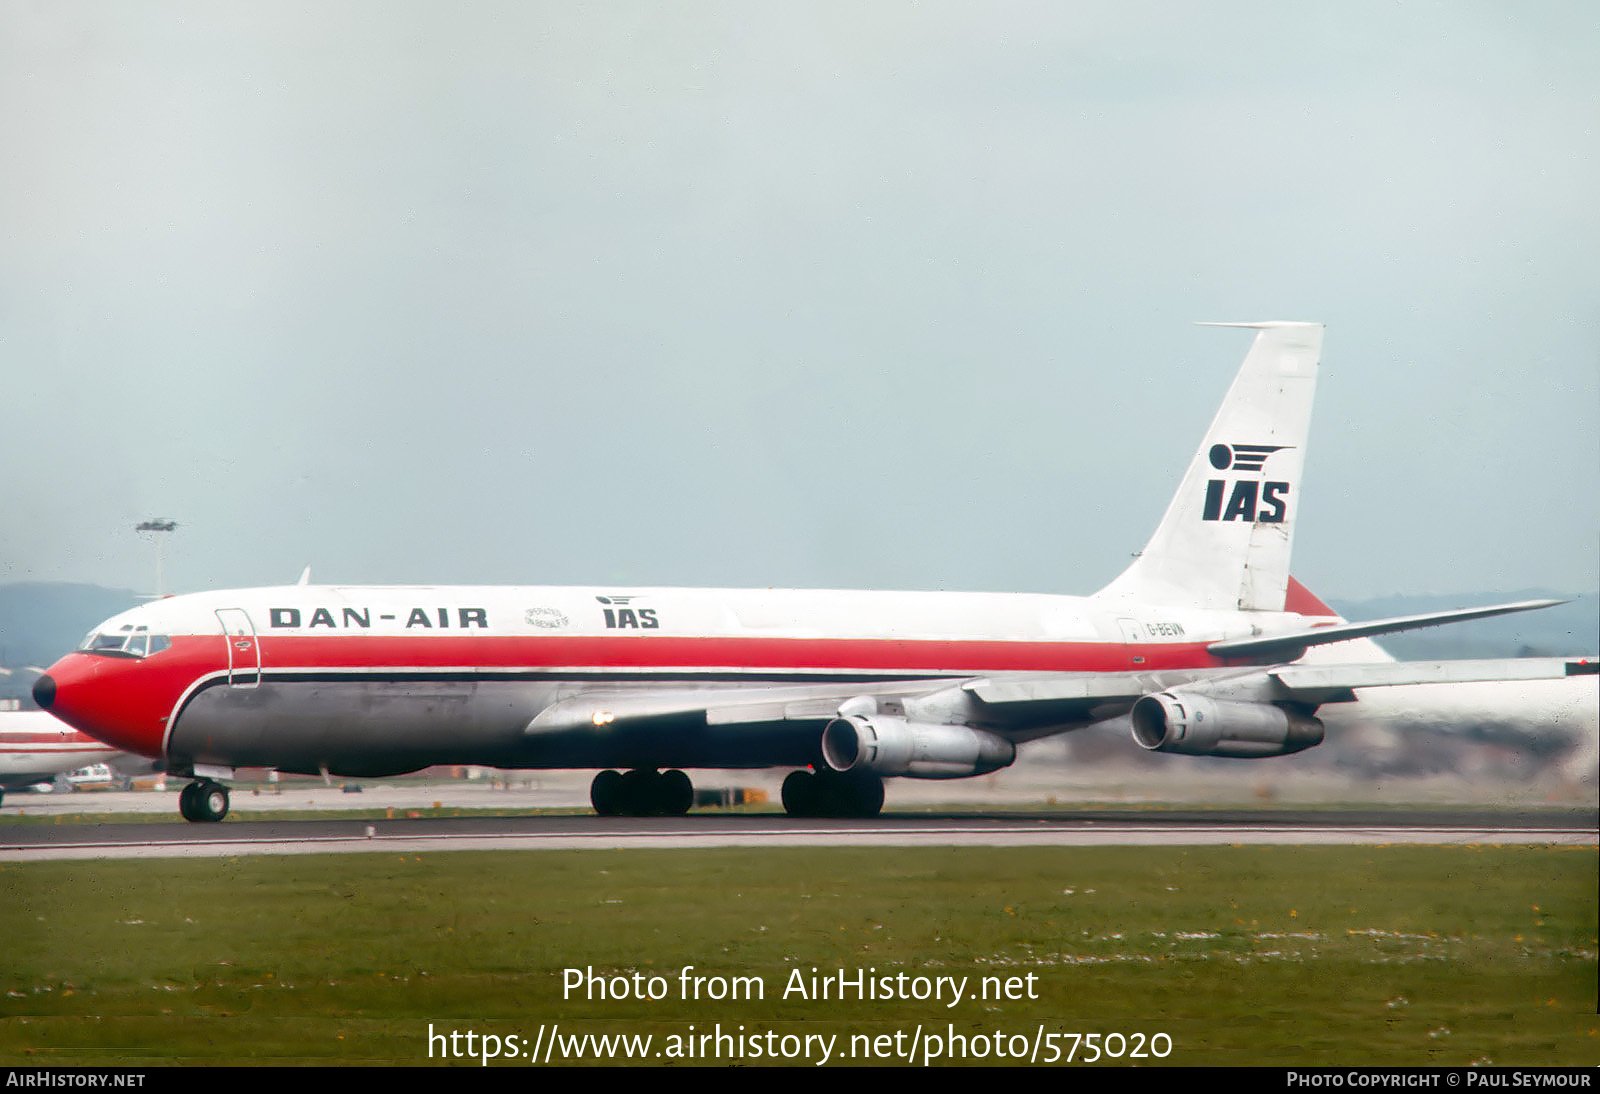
1309 684
1329 683
1249 713
1023 706
1011 705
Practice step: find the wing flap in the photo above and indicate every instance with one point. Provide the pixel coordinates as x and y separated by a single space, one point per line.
718 706
1091 689
794 711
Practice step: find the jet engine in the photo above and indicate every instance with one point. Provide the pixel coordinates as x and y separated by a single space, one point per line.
888 745
1198 725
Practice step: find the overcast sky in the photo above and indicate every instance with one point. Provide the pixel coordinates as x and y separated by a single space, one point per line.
799 294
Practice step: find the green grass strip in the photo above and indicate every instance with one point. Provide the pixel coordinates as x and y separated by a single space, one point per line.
1242 955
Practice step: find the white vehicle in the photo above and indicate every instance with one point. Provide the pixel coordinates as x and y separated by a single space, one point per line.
1206 641
93 777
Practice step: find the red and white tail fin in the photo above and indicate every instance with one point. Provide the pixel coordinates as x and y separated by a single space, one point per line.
1224 543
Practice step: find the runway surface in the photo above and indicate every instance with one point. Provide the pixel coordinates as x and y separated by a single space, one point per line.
1065 828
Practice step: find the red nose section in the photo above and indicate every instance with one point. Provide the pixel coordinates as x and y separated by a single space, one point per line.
110 698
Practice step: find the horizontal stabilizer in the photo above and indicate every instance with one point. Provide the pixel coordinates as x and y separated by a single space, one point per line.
1287 647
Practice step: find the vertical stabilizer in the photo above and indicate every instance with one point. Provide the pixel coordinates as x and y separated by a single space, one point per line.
1225 540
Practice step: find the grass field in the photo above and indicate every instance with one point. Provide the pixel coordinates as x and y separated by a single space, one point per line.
1306 955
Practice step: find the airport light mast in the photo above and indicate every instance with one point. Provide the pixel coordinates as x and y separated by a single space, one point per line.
157 527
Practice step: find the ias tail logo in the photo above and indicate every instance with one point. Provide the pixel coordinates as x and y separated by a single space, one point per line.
1248 501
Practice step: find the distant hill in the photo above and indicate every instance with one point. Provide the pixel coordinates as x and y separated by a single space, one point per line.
41 621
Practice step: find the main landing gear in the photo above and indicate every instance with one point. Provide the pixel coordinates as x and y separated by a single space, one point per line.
831 794
203 801
641 793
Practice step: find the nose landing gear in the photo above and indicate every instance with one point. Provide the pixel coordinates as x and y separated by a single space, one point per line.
203 801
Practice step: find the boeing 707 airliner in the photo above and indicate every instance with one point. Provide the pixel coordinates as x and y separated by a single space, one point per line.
1205 641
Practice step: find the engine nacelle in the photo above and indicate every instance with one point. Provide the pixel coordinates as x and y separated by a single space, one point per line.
889 745
1197 725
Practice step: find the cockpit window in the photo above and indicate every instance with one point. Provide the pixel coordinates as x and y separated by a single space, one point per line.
125 642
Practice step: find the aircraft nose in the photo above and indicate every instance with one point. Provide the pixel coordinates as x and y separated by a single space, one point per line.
108 698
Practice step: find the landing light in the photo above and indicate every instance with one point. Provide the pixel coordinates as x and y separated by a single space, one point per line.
603 718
